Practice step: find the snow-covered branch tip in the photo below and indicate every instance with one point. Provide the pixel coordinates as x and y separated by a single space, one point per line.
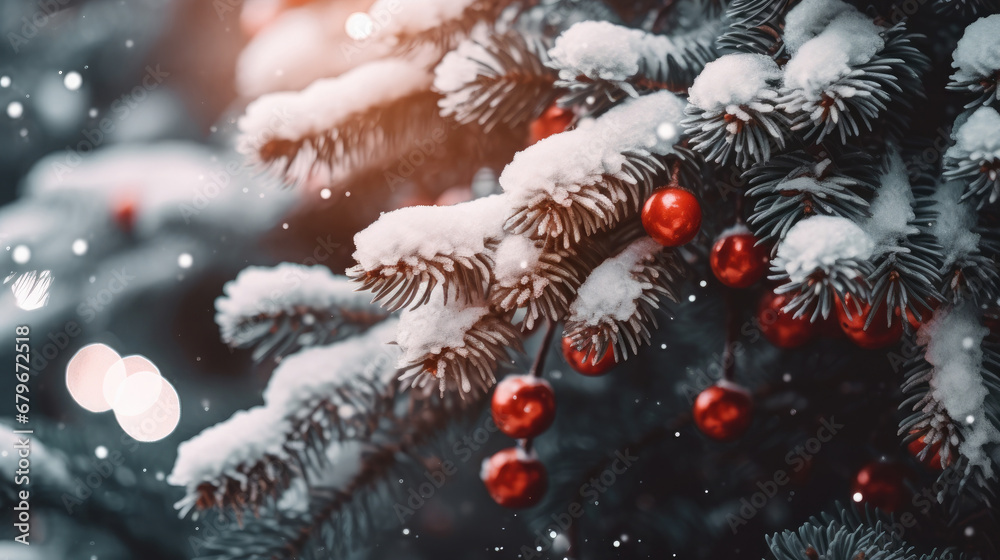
844 69
732 110
490 65
601 63
282 309
975 157
616 306
440 23
542 281
576 183
318 396
454 347
969 272
951 390
408 253
977 62
338 125
823 259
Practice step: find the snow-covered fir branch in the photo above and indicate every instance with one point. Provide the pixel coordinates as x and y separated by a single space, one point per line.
283 308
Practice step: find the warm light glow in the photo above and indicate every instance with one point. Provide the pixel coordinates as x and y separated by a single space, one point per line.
138 393
85 374
129 365
156 422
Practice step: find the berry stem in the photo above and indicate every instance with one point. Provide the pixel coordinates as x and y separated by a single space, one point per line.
538 367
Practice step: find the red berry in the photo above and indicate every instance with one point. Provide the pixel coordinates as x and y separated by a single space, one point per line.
724 411
737 261
513 479
881 485
782 329
523 406
878 334
584 364
554 120
672 216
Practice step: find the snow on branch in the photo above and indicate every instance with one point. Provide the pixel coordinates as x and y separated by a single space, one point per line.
316 396
617 302
490 65
975 157
601 63
844 69
542 281
456 346
969 271
960 382
906 257
576 183
341 123
977 61
409 252
821 258
290 306
732 110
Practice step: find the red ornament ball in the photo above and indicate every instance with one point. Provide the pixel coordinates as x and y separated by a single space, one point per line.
579 361
881 485
514 479
554 120
933 457
877 335
737 261
672 216
782 329
523 406
124 213
724 411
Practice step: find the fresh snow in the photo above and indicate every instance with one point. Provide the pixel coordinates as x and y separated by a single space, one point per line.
314 373
516 257
978 52
261 290
818 243
734 80
612 292
601 50
461 66
418 234
891 211
808 19
953 223
245 438
978 138
328 102
434 326
564 163
849 40
954 338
